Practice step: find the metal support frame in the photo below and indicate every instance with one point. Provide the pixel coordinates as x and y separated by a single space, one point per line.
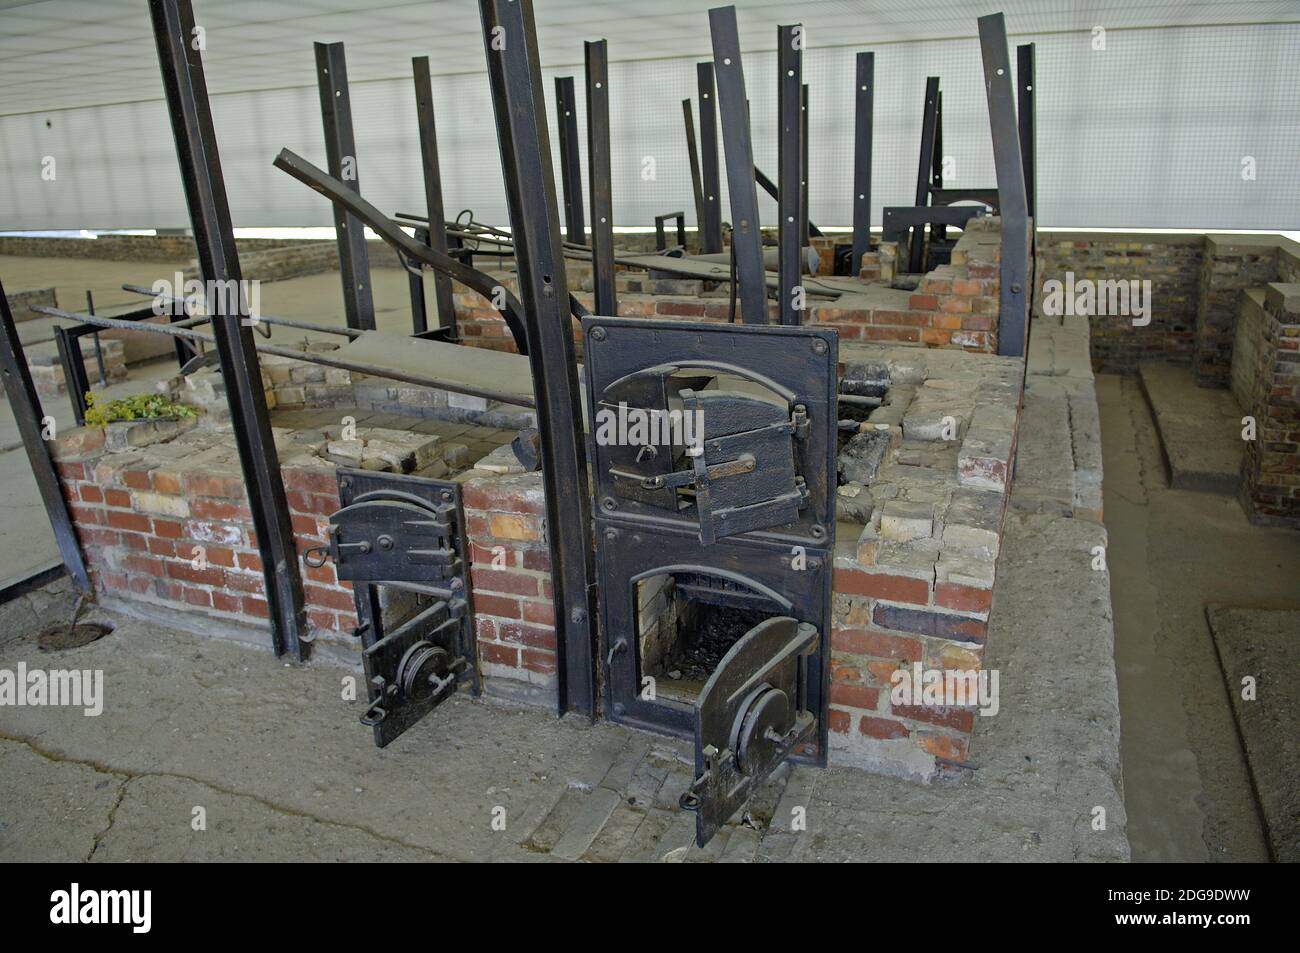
25 404
566 108
746 238
864 93
1027 117
790 170
520 111
711 225
806 227
341 148
938 232
767 185
435 237
596 55
929 122
661 237
181 64
693 154
415 287
1013 314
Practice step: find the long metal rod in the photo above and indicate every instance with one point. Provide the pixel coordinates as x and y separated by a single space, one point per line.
181 63
203 318
806 227
770 187
436 237
599 177
566 108
739 153
341 156
711 227
1013 315
515 74
325 359
693 154
864 94
25 404
938 232
789 95
1027 116
916 255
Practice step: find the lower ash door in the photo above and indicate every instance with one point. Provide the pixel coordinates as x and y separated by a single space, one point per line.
751 715
399 540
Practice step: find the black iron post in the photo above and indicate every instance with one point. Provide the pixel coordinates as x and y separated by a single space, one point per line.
566 107
205 194
738 150
436 236
711 227
693 153
1028 119
599 178
510 42
790 172
938 232
25 404
929 123
341 153
806 228
1013 315
863 117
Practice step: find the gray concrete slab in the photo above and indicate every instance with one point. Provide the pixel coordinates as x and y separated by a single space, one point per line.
1200 429
1259 650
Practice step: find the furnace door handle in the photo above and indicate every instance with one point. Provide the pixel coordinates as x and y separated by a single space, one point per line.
745 463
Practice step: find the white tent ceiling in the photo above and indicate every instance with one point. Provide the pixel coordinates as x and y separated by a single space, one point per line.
59 54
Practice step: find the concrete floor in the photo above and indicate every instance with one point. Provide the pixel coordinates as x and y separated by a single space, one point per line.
1171 553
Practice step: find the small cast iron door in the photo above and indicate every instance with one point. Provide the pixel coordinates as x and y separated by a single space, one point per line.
750 716
399 541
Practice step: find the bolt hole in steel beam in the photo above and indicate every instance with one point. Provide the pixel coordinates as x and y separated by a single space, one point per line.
738 152
205 195
1013 314
520 111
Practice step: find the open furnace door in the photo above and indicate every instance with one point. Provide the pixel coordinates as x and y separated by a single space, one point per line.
751 715
399 541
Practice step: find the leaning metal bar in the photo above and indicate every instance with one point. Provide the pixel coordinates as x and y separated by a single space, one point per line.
181 64
566 107
203 319
693 154
768 186
738 149
711 226
437 237
1028 119
74 371
341 155
310 357
389 231
1013 316
789 94
864 114
26 407
916 254
530 190
598 178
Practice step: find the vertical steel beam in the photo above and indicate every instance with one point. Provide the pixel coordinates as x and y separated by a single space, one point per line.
181 64
74 370
693 153
864 93
415 288
436 237
599 178
566 108
510 42
25 404
746 239
916 256
711 227
1028 118
341 153
806 227
790 171
938 231
1013 315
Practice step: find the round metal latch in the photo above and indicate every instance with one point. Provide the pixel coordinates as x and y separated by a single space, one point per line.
763 722
421 670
